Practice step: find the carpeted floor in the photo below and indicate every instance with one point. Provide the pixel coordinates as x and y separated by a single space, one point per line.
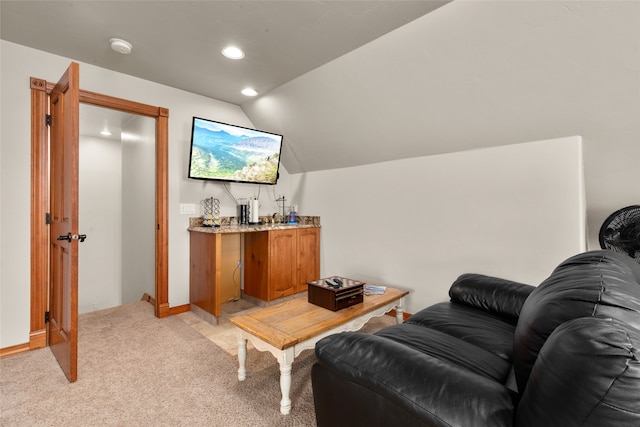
136 370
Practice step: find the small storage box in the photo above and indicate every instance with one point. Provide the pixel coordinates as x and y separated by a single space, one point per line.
324 295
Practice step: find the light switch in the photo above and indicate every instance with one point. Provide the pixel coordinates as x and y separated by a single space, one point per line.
187 209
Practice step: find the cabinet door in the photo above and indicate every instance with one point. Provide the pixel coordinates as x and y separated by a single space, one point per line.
308 257
204 271
283 269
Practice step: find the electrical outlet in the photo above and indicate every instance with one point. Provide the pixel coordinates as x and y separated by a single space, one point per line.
187 209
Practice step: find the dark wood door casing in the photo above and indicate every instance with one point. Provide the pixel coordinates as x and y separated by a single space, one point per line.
40 90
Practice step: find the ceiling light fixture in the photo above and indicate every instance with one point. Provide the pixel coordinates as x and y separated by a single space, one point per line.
105 133
121 46
249 92
233 52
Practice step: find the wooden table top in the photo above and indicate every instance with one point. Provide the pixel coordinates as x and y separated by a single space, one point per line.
296 320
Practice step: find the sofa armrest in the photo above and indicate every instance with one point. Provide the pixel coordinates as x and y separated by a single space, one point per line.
587 373
405 380
492 294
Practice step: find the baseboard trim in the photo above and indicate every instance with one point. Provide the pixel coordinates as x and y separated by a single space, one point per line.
179 309
38 339
148 298
163 310
14 349
204 315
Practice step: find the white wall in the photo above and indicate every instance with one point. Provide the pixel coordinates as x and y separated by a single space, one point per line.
100 213
138 208
117 213
514 211
18 63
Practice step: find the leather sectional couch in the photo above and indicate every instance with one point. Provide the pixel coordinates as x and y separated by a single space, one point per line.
500 353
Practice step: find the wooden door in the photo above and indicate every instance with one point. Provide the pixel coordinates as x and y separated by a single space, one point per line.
283 269
308 257
63 298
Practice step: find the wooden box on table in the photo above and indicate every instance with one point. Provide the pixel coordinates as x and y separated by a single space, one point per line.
324 295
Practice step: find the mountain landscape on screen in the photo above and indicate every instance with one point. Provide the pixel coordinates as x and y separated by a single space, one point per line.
225 152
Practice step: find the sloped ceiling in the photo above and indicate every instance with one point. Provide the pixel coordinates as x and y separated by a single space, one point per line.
473 74
466 76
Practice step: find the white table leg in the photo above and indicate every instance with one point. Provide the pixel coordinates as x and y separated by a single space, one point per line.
285 361
242 358
400 311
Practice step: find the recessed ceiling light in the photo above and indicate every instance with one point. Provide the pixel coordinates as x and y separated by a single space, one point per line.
233 52
121 46
105 133
249 92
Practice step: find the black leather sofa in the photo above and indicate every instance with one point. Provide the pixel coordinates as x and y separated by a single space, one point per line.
500 353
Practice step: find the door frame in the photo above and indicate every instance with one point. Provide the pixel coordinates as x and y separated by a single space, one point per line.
40 90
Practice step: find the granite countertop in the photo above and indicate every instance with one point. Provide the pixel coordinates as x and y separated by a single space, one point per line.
230 225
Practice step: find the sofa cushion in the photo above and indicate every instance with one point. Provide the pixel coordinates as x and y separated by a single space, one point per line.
480 328
587 374
592 284
394 379
449 349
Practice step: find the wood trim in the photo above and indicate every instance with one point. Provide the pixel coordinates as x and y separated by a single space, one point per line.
162 212
179 309
115 103
38 339
148 298
161 115
40 89
163 310
120 104
39 84
39 281
14 349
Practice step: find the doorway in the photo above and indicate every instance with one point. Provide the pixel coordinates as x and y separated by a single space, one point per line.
40 90
116 208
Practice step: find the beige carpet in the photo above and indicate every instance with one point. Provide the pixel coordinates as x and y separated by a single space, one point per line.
137 370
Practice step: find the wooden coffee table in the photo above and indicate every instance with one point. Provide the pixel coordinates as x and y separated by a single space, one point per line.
286 329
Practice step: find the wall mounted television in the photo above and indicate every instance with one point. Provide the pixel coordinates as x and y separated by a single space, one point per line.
224 152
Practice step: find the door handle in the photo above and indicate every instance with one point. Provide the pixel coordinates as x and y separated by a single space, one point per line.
68 237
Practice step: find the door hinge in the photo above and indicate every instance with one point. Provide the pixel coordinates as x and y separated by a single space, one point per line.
46 317
48 119
47 218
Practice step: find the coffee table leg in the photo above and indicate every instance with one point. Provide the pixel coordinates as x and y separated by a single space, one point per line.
400 311
286 361
242 358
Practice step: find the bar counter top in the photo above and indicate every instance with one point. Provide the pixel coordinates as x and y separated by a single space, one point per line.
230 225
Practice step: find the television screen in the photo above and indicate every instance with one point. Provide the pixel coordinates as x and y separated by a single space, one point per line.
225 152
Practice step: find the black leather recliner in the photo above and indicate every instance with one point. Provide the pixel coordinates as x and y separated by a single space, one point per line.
500 353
